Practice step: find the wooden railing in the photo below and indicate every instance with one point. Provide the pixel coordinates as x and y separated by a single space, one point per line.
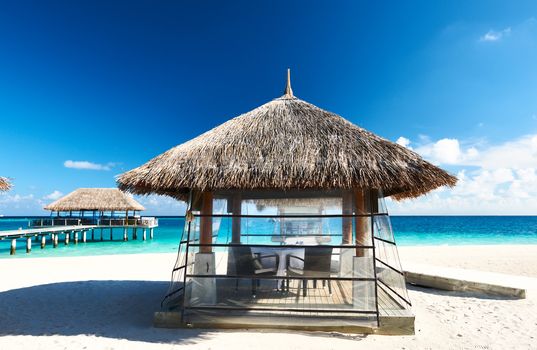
141 221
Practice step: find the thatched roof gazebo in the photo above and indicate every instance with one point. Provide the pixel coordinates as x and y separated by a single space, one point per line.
95 199
287 143
258 188
5 184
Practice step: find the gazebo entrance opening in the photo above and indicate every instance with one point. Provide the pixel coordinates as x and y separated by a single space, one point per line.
307 254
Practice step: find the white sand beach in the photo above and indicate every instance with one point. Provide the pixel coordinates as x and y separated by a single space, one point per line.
107 302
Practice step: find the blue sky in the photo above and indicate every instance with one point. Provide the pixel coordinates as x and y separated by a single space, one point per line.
90 89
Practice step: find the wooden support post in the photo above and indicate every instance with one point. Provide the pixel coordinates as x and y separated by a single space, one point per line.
43 241
13 246
111 235
236 220
362 222
125 234
92 234
28 244
134 234
144 235
55 240
76 237
151 233
84 233
101 233
347 221
206 222
67 238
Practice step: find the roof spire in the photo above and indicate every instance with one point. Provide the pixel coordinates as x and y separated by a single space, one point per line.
288 90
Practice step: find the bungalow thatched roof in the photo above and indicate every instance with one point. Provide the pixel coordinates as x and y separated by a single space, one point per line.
101 199
287 143
5 184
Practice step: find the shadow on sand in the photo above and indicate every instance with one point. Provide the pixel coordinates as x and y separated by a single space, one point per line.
113 309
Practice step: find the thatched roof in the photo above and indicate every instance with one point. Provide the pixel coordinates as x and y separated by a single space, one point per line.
101 199
287 143
5 184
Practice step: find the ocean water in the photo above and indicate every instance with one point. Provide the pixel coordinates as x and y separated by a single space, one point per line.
408 230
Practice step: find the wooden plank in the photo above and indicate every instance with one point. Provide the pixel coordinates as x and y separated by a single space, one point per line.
465 280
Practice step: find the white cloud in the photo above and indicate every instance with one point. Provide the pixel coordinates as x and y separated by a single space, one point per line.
517 154
161 205
17 204
447 151
493 35
495 179
403 141
85 165
54 195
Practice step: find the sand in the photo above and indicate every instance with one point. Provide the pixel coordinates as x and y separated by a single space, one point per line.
107 302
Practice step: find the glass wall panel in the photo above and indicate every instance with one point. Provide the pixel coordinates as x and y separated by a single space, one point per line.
278 253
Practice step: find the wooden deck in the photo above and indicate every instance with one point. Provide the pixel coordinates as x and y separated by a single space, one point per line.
284 310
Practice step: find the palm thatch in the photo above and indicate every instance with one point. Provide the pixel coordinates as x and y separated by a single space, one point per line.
5 184
286 144
100 199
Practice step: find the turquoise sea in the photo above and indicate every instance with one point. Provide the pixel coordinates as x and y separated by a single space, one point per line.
409 231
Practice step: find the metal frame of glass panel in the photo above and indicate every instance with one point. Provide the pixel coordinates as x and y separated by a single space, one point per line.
381 236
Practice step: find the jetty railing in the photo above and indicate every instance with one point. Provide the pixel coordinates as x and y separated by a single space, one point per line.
98 221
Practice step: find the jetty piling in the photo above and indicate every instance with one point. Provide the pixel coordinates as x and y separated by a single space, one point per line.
29 244
43 241
13 246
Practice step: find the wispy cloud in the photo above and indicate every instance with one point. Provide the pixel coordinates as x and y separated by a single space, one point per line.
54 195
493 35
85 165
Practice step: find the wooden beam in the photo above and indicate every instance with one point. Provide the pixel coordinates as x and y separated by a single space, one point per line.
236 221
206 222
362 231
347 221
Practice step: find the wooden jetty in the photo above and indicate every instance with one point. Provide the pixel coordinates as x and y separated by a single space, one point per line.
72 233
97 209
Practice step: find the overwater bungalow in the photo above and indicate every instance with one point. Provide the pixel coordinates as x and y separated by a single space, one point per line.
100 207
84 211
286 225
5 184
